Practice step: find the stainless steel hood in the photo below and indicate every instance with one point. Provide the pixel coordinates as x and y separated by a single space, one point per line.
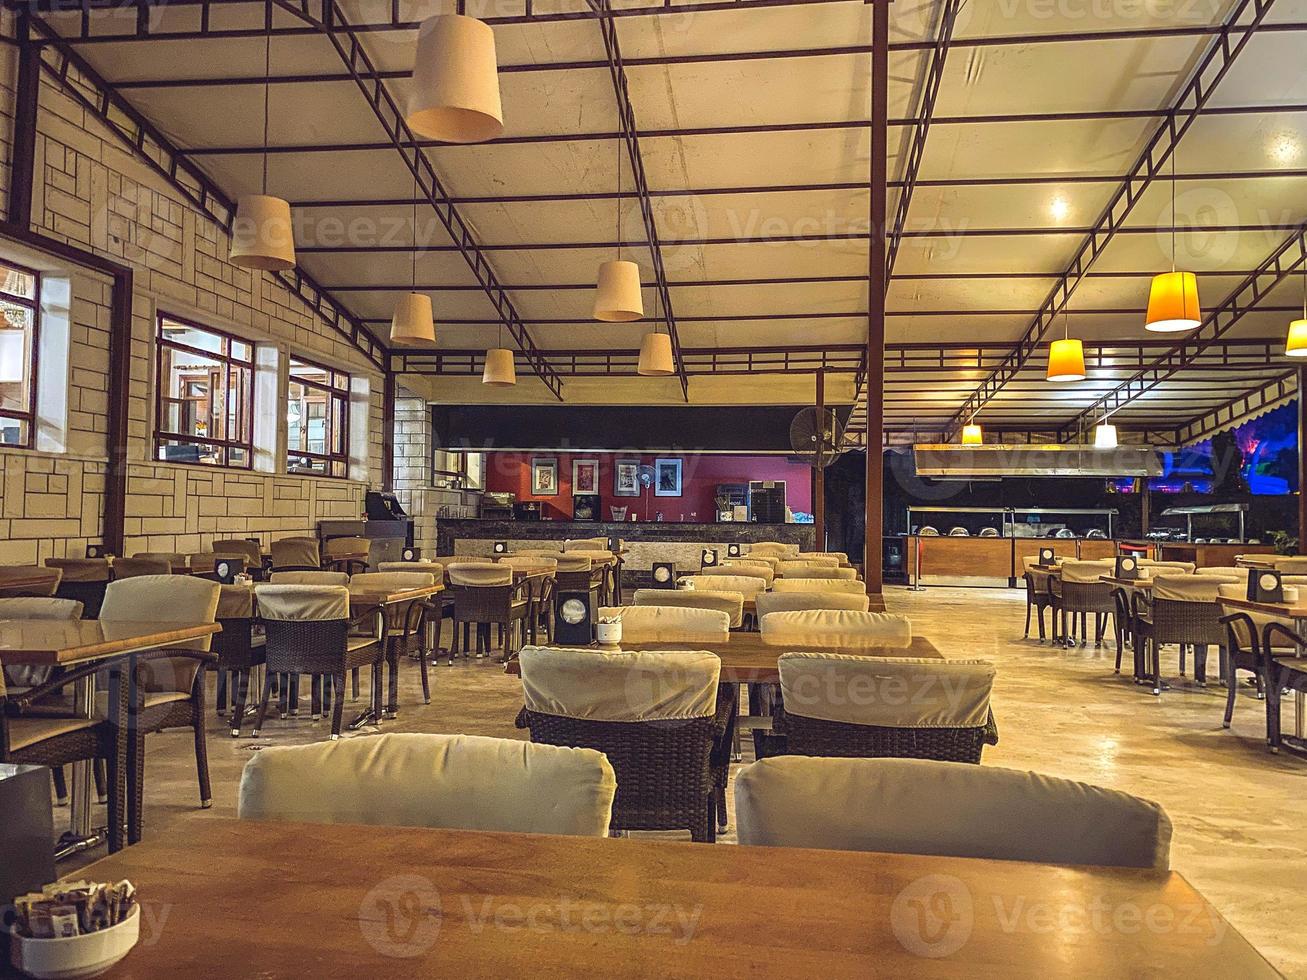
996 460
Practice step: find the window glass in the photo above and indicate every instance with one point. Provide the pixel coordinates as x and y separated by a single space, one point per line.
317 420
206 396
19 333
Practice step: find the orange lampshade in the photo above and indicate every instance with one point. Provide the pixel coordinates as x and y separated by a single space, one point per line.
1066 360
1297 343
1173 303
499 371
972 435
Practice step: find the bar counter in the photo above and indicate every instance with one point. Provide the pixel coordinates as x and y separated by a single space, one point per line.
645 541
992 562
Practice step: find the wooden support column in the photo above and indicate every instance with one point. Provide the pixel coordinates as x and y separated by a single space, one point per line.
819 468
1302 460
23 158
120 382
388 431
1145 507
876 276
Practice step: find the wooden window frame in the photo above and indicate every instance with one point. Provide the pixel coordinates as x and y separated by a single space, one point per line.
34 361
335 395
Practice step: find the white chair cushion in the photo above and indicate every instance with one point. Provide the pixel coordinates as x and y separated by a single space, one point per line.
1086 572
81 569
235 602
464 782
917 806
479 575
433 568
345 547
24 732
836 628
731 603
852 586
49 578
774 602
1288 564
309 578
302 603
39 607
891 692
529 561
758 571
598 685
295 551
1188 588
772 549
1184 567
747 585
390 581
1231 572
163 599
586 544
669 624
574 563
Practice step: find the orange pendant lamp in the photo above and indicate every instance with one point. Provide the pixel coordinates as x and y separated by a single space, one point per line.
972 435
1173 297
1066 357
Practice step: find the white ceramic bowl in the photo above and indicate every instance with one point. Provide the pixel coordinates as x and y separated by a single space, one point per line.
76 956
608 634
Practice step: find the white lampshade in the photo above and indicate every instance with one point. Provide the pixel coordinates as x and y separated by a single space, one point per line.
413 323
499 370
455 92
261 234
656 356
13 362
617 297
1104 436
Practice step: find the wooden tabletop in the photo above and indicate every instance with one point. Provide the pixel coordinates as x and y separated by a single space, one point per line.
364 597
1285 610
749 659
23 581
405 902
1127 583
66 641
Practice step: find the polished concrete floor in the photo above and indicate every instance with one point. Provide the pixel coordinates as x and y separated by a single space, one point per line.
1240 814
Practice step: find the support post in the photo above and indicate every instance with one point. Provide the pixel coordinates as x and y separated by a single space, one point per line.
875 380
1145 507
1302 460
113 532
388 430
22 174
819 468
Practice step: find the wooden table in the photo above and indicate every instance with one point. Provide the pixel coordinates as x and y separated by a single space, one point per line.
404 902
21 584
747 658
64 642
1296 611
360 601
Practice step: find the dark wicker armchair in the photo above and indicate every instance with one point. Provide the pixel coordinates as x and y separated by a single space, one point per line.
1287 673
857 706
1039 597
239 651
1077 593
660 718
1182 609
486 596
1243 652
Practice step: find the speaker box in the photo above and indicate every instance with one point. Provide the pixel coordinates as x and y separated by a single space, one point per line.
664 575
708 558
1127 566
96 551
500 547
1047 557
733 551
411 554
614 545
574 619
1265 585
226 569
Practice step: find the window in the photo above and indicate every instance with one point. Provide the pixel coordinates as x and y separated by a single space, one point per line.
206 396
317 420
20 315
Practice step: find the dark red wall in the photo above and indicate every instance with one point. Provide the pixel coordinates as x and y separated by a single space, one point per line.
700 475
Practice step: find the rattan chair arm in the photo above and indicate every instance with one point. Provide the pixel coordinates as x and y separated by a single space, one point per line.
18 703
521 721
1269 631
991 729
377 613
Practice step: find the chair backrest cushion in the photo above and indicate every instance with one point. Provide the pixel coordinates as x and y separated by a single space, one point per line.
774 602
295 552
852 586
889 692
758 571
235 602
529 561
248 550
747 585
81 569
1187 588
773 549
1086 572
464 782
836 628
919 806
731 603
302 603
309 578
341 547
585 544
40 607
1288 564
573 562
669 624
1230 572
124 568
433 568
479 575
49 578
597 685
165 599
390 581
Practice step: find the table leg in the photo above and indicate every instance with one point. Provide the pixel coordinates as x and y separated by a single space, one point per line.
81 835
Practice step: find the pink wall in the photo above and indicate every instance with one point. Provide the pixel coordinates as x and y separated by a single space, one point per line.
700 475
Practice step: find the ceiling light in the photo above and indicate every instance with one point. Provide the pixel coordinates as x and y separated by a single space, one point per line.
972 435
1104 436
455 94
617 296
1173 303
1284 147
1066 360
413 323
1059 208
261 233
656 356
499 371
1296 346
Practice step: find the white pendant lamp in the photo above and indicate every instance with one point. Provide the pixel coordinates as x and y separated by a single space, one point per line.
499 371
656 359
261 233
1296 345
1104 436
1173 296
972 435
617 297
455 91
413 323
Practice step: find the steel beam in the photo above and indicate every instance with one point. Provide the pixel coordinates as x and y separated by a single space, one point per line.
631 138
85 86
22 169
877 286
1278 266
1185 109
388 113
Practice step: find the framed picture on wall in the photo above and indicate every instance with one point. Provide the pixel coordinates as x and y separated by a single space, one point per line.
626 478
544 477
585 476
667 477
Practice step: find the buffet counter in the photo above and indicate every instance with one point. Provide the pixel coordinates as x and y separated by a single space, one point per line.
1209 555
989 562
644 542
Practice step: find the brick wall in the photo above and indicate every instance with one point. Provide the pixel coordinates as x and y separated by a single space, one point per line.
92 192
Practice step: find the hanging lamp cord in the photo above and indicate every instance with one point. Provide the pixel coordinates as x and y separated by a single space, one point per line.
1174 153
267 91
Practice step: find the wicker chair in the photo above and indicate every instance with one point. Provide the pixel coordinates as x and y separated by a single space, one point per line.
249 550
296 555
238 650
578 573
84 580
670 624
348 555
137 566
658 717
406 623
170 681
731 603
916 806
539 592
1183 609
604 568
47 586
1283 674
1078 592
486 596
851 705
1039 595
308 632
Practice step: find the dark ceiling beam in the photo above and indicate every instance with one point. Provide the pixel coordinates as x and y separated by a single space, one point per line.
85 86
391 117
1180 116
1284 261
631 139
756 129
